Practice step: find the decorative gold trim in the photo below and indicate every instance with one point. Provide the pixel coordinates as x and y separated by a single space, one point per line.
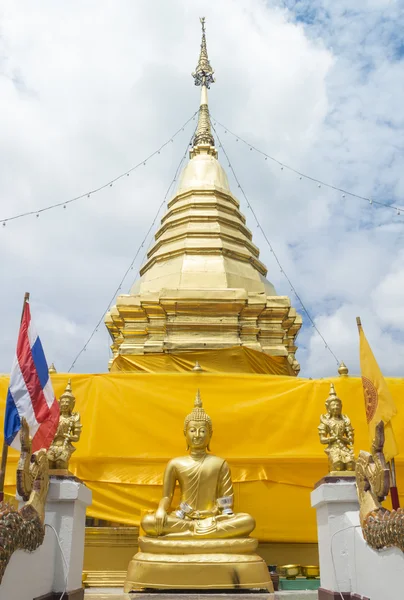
112 536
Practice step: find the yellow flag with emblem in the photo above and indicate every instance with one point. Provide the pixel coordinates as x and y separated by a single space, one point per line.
379 403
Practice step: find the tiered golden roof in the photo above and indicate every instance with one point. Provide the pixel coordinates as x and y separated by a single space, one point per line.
203 285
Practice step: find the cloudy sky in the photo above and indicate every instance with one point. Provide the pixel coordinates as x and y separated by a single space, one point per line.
88 89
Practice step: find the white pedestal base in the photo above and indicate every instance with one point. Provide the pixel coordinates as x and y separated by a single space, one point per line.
347 564
45 573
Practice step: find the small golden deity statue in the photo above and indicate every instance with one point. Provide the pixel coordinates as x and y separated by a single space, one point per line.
337 433
68 431
203 543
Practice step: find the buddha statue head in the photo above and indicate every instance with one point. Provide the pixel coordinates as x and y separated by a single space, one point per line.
333 403
67 400
198 426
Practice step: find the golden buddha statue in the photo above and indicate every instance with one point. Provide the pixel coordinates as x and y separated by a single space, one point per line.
206 508
68 431
203 543
337 433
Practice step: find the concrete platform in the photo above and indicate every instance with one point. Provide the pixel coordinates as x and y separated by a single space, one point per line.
116 594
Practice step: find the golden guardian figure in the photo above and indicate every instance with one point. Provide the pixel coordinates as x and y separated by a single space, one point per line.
68 431
337 433
202 543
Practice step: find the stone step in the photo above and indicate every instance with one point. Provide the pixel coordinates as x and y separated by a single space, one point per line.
104 579
116 594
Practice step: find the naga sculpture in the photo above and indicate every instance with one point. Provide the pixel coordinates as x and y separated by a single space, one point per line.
381 528
337 433
24 529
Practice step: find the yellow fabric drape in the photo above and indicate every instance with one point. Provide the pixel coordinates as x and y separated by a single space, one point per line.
379 402
264 425
237 359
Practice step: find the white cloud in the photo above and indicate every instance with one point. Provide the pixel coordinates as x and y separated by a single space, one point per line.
89 89
387 297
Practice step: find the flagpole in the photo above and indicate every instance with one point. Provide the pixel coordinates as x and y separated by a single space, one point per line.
395 501
4 452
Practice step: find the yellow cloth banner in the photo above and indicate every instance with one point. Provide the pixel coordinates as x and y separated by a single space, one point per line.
237 359
379 403
264 425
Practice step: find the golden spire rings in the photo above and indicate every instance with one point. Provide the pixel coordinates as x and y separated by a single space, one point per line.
203 76
203 73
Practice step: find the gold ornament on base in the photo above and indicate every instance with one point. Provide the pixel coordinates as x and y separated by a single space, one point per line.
337 433
68 431
202 544
343 370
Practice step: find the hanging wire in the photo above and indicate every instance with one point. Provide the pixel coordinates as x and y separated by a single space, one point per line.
179 167
101 187
292 287
118 289
309 177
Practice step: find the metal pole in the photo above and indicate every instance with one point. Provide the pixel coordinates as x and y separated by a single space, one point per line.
395 501
4 452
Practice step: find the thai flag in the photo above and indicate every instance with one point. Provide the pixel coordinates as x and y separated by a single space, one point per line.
30 393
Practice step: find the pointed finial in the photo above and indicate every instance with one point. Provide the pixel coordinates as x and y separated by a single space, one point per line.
68 393
203 76
332 391
343 370
198 414
52 369
197 367
203 73
198 400
332 395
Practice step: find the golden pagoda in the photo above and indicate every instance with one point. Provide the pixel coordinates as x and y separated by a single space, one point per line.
203 286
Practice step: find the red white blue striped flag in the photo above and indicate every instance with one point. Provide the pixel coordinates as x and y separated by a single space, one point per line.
30 393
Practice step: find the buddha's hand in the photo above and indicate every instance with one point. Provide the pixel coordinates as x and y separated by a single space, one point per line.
161 517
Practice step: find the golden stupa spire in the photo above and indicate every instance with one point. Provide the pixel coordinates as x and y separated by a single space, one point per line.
203 285
203 76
